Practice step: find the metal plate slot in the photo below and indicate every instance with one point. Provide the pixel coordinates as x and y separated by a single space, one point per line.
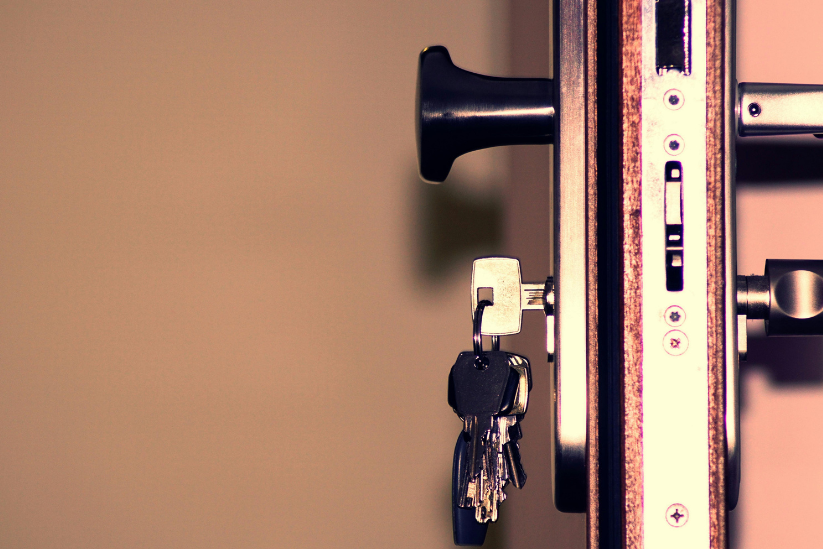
673 36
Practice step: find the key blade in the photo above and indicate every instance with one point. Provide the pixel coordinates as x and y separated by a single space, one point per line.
532 297
516 472
491 489
481 426
466 529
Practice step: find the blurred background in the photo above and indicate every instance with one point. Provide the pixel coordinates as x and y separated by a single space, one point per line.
228 305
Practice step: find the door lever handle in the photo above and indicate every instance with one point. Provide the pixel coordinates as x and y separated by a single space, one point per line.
779 109
458 111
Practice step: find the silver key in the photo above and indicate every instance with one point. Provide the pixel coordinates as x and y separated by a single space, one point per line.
486 490
510 297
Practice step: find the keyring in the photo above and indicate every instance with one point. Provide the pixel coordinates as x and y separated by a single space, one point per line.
477 336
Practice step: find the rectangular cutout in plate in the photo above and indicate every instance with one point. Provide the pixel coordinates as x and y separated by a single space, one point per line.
674 271
673 35
674 225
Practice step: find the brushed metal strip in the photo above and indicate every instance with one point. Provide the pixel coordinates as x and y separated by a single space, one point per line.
593 523
732 335
570 361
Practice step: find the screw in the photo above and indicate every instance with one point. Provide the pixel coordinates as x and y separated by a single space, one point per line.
755 110
675 144
677 515
675 315
673 99
675 343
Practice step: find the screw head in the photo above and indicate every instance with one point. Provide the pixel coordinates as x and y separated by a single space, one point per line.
755 109
673 99
675 342
675 315
674 144
677 515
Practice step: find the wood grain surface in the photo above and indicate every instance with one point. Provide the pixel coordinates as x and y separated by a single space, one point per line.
630 91
715 162
592 306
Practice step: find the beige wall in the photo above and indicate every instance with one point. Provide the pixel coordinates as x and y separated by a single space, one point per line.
780 198
228 306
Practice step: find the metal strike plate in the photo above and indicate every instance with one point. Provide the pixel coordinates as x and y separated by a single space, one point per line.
675 324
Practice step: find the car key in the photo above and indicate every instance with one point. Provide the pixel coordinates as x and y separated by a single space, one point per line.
489 392
491 400
467 531
476 392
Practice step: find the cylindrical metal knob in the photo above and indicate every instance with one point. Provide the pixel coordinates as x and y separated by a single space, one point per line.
459 111
796 289
789 297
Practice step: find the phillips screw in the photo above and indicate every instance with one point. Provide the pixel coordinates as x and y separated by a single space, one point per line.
677 515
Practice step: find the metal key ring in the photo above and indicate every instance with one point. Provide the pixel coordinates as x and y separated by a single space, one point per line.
477 335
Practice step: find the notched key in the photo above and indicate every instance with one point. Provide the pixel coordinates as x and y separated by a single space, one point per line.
491 400
466 529
516 473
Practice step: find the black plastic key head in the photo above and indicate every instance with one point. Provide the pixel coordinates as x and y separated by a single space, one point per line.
477 391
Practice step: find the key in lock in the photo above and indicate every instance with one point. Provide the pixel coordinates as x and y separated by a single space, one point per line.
510 297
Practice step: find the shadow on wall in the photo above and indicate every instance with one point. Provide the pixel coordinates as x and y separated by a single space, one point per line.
454 222
787 360
767 161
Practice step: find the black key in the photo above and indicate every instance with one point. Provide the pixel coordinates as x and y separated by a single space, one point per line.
476 392
467 531
490 394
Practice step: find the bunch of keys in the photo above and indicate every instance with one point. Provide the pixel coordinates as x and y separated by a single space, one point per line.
489 391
